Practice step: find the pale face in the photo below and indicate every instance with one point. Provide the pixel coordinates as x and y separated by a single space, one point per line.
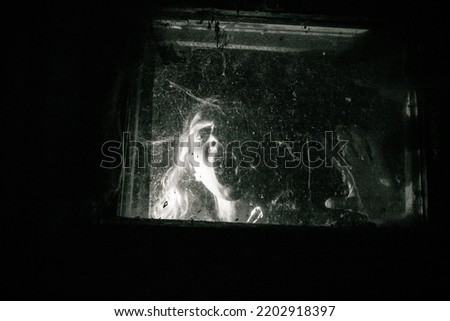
208 163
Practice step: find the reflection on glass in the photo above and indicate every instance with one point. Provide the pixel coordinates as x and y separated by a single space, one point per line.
292 128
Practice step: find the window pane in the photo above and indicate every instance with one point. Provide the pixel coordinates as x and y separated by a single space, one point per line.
272 123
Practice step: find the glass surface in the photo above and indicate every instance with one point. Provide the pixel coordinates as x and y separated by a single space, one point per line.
274 124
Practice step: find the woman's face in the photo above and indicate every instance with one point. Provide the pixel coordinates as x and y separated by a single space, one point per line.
217 168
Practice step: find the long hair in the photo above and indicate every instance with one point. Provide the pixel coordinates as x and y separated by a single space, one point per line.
180 195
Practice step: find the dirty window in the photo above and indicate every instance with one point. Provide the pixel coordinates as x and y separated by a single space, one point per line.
271 123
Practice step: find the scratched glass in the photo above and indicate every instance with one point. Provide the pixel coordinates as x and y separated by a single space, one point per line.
257 122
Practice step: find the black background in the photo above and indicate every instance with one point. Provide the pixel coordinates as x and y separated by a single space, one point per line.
63 59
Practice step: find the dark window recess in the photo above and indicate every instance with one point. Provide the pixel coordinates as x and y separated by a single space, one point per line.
254 118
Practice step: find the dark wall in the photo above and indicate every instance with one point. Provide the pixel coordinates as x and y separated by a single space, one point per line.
65 64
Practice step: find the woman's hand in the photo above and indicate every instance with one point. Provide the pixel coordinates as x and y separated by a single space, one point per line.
255 215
